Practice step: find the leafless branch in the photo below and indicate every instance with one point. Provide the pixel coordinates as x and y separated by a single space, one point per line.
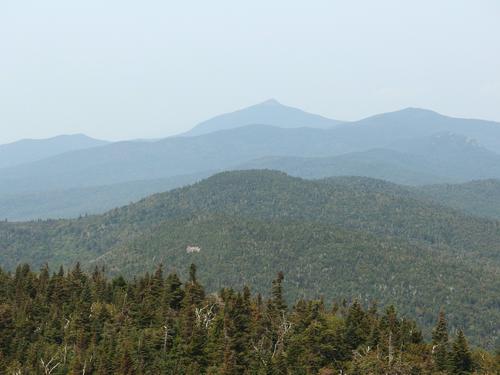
205 315
48 367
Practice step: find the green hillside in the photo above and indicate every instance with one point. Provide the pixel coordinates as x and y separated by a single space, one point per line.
321 260
481 198
338 237
365 204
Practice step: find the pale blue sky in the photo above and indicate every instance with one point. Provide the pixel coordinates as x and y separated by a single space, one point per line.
118 69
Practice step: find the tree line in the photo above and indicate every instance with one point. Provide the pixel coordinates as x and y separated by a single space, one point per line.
71 322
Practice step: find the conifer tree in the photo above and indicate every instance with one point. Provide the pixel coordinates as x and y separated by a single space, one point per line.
193 291
174 294
278 300
6 330
65 324
126 364
461 359
497 356
355 333
236 328
440 343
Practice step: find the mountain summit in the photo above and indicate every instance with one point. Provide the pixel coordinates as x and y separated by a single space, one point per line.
29 150
269 112
271 101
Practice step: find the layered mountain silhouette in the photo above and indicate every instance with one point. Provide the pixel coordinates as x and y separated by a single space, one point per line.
443 157
411 146
391 127
29 150
75 202
270 112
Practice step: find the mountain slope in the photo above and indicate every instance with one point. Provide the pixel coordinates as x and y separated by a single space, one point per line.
72 203
455 156
481 198
383 164
226 149
352 203
270 112
379 239
442 157
387 128
130 161
320 260
367 148
29 150
374 206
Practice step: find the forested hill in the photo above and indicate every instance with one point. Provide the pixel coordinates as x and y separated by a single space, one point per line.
322 260
370 205
339 237
357 203
481 198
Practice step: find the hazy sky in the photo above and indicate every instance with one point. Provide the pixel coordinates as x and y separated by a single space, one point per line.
119 69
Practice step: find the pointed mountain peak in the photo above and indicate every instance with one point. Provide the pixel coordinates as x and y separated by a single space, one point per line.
270 112
270 102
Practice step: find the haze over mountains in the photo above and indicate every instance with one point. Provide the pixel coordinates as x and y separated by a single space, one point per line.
411 146
400 207
270 112
442 157
29 150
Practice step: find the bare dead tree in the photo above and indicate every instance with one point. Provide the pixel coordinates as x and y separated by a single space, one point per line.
261 351
284 328
390 349
267 348
165 337
205 315
50 366
363 352
65 355
85 363
124 301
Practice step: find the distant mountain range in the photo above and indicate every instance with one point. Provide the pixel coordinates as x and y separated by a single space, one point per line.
434 236
29 150
75 202
411 146
387 128
440 158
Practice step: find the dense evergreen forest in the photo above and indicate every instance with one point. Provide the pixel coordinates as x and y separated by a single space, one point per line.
78 323
481 198
337 238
